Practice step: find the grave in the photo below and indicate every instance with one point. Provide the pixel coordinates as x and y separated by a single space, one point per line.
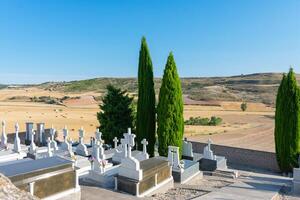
11 152
211 162
81 148
3 137
187 150
142 178
182 170
48 178
102 172
29 128
40 135
120 151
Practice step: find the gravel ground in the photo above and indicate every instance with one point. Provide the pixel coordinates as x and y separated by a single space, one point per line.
195 188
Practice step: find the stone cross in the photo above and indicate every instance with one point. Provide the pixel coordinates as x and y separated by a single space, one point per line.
17 143
129 140
49 150
4 136
144 143
32 148
115 142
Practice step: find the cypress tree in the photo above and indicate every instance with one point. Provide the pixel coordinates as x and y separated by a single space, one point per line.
145 122
287 123
170 120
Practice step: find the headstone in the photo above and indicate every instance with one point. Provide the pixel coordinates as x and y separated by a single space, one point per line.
173 158
207 152
29 127
3 136
17 142
187 149
211 162
41 137
130 166
143 155
53 143
32 148
115 142
182 170
65 144
49 149
81 148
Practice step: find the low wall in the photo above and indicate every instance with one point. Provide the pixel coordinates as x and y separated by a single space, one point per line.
246 157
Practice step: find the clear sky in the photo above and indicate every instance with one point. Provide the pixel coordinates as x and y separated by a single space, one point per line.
65 39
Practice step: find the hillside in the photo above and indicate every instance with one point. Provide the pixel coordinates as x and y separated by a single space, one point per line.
260 87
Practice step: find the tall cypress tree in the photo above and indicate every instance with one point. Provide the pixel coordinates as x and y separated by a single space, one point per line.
170 120
287 123
145 124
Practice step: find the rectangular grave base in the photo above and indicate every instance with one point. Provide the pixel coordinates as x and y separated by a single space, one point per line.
191 169
212 165
144 187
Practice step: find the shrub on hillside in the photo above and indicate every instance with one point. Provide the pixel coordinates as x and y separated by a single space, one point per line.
198 121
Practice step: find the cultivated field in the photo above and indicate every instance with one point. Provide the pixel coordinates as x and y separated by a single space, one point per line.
251 129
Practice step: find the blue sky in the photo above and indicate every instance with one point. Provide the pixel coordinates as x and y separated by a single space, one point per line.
67 40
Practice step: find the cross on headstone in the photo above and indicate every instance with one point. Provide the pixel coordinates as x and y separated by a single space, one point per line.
115 142
144 143
3 136
17 143
32 148
49 150
129 139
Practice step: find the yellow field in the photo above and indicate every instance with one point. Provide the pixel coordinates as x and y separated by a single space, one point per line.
251 129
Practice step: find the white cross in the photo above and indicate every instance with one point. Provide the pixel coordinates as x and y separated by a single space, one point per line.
144 143
124 144
17 129
81 132
129 140
115 142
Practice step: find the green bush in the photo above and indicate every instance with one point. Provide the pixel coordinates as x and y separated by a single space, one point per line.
244 106
198 121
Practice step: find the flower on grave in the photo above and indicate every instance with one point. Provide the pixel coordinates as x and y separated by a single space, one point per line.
103 163
91 159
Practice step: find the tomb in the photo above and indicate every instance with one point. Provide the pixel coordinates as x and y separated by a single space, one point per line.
187 150
14 151
142 178
102 172
81 148
48 178
29 128
143 155
182 170
211 162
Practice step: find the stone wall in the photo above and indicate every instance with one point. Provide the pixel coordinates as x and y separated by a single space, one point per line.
245 157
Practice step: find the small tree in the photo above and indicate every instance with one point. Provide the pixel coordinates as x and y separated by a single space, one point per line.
116 115
170 120
244 106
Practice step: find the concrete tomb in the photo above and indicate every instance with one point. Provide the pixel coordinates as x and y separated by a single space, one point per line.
29 128
81 148
53 143
182 170
40 134
48 178
211 162
141 178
